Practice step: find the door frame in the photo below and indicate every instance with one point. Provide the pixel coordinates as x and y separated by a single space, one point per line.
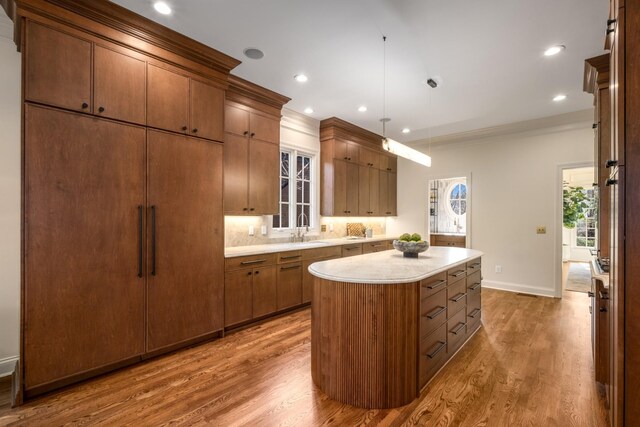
468 177
557 224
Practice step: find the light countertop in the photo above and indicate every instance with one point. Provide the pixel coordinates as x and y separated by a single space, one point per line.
281 247
391 267
597 273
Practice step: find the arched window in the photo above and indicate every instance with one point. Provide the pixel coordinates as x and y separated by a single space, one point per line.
458 199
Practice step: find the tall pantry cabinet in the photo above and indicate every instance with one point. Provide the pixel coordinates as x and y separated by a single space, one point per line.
123 227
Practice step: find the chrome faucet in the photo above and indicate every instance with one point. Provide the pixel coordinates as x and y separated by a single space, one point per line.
298 236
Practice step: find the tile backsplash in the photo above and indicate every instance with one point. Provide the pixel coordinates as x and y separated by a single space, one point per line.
237 229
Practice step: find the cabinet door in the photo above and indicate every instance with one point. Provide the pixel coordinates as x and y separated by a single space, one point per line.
264 128
236 120
264 291
207 111
340 188
383 191
353 171
289 285
353 152
366 157
236 174
364 196
167 100
392 194
186 239
392 164
119 86
264 177
84 301
237 296
374 192
58 68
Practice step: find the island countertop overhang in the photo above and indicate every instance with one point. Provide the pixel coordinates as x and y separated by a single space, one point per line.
391 267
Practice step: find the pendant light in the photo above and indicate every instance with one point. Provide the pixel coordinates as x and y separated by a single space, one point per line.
389 144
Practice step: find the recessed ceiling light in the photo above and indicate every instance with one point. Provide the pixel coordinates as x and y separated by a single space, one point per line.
308 110
406 130
162 7
301 78
559 98
554 50
362 108
253 53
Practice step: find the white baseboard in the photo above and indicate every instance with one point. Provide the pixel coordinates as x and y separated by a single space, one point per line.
516 287
7 365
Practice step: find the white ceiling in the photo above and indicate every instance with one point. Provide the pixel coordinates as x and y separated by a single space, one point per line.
489 55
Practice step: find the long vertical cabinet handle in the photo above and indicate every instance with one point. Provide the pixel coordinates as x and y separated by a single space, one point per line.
140 242
153 240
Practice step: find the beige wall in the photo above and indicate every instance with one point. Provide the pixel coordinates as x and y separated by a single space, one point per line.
9 199
514 187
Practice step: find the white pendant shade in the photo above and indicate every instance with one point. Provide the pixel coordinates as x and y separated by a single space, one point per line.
402 150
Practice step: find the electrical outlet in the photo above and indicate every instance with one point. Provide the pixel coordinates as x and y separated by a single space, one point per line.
263 230
331 227
323 227
541 229
251 230
498 269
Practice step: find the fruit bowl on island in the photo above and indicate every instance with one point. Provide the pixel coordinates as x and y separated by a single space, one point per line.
410 245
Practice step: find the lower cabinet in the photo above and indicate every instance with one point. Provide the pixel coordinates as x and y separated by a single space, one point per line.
249 293
264 291
448 240
289 285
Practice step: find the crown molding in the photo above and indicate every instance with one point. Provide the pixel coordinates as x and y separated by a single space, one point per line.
559 123
250 94
300 123
596 73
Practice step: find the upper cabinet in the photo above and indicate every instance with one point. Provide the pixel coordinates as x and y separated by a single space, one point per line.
252 149
357 177
179 103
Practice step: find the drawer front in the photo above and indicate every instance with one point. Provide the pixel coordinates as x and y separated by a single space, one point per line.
433 354
456 273
433 312
350 250
370 247
433 284
474 266
474 301
456 331
456 297
324 252
473 325
474 283
289 256
250 261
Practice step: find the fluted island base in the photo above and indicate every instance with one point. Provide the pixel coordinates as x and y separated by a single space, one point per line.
364 342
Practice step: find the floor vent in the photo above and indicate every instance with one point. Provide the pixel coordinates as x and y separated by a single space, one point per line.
527 295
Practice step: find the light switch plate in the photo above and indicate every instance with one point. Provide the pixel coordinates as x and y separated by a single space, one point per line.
263 230
541 230
251 230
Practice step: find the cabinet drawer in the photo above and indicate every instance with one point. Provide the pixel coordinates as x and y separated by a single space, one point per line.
433 312
474 283
371 247
433 354
330 251
249 261
350 250
474 266
456 297
473 323
456 273
289 256
474 301
289 285
456 331
433 284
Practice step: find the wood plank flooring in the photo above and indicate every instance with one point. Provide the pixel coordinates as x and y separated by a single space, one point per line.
530 365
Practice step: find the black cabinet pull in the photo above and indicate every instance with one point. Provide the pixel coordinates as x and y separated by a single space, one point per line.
252 134
140 242
594 126
458 297
85 105
246 132
474 313
195 130
475 286
256 272
604 295
252 209
436 312
476 265
254 261
603 309
611 182
101 109
290 256
611 21
435 352
349 158
346 158
590 294
436 284
611 163
610 30
249 273
184 128
291 267
457 330
153 240
459 272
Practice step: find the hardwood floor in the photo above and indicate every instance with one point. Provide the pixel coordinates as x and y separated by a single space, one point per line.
530 364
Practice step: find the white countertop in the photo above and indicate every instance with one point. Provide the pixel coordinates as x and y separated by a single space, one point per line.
597 273
281 247
391 266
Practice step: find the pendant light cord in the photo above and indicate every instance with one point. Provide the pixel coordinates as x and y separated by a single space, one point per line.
384 85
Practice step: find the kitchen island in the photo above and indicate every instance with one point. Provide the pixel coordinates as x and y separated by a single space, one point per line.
382 325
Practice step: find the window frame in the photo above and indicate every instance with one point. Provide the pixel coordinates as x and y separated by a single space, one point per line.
314 220
449 199
583 223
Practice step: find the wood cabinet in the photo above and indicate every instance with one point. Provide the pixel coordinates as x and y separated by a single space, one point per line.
357 178
289 285
249 294
186 239
84 289
179 103
252 149
379 246
448 240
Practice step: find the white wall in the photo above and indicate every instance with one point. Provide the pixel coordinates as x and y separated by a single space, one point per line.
9 199
515 186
